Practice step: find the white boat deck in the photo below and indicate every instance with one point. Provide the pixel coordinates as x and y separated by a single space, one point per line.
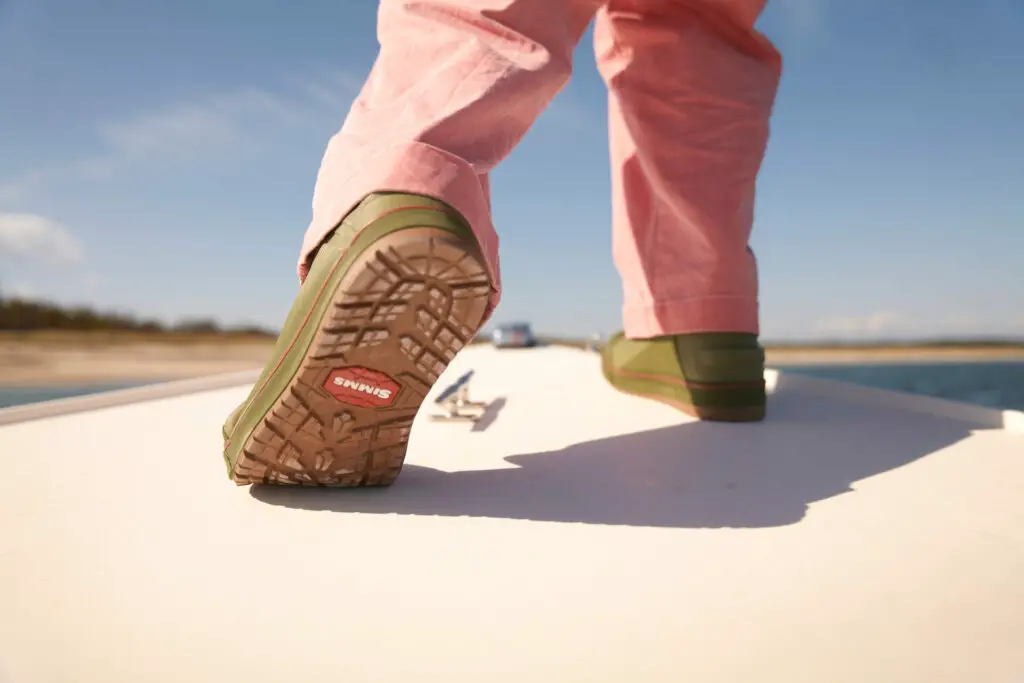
575 534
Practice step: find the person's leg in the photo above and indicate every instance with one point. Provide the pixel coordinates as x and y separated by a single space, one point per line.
455 87
692 85
400 264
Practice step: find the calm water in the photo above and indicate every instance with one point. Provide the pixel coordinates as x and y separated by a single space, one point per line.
997 385
16 396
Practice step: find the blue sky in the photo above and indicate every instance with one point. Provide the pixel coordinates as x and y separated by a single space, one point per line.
159 158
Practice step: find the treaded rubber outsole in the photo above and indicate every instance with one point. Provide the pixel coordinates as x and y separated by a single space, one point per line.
401 313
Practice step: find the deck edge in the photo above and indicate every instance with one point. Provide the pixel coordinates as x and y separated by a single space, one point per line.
983 416
119 397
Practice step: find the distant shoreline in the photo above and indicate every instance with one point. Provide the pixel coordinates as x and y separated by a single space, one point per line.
892 355
58 358
43 359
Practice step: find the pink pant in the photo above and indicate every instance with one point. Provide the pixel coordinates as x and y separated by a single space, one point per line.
458 83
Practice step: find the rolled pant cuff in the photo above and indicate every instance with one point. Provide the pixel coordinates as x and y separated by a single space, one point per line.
415 168
684 316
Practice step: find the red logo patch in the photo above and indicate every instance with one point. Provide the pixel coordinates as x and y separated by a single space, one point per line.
362 387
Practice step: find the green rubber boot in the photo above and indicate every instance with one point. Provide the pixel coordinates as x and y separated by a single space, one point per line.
393 294
713 376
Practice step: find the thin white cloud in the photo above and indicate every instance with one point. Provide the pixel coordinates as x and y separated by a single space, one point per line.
890 325
33 238
872 325
806 16
14 189
334 90
20 289
199 129
218 126
185 130
193 130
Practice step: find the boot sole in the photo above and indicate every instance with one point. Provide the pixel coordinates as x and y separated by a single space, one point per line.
403 310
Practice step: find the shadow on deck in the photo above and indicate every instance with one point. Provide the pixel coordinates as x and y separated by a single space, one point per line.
694 475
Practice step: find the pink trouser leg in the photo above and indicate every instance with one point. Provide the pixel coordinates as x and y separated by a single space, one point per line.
458 83
692 86
455 87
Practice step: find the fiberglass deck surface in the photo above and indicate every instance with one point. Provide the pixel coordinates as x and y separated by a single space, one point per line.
576 534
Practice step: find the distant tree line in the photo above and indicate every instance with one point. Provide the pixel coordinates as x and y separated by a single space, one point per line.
23 315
